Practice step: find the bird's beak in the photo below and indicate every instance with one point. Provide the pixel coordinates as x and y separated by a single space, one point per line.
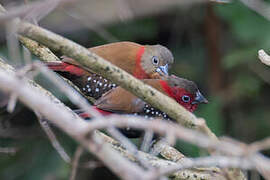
163 70
199 98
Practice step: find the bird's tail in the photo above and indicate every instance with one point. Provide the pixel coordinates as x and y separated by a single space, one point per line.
60 66
85 115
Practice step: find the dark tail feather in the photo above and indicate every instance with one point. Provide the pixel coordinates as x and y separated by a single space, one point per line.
85 115
57 65
130 133
82 114
60 66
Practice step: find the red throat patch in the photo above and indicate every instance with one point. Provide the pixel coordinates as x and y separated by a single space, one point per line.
166 88
139 72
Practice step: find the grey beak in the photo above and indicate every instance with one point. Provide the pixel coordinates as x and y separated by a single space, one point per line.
199 98
163 70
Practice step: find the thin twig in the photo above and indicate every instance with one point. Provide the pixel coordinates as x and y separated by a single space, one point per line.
12 103
33 10
46 127
147 138
259 145
264 57
27 57
75 162
53 110
12 42
8 150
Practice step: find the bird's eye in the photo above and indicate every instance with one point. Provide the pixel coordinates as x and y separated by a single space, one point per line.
155 60
185 98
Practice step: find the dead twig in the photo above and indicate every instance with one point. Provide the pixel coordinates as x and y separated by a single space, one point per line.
61 116
8 150
46 127
264 57
75 162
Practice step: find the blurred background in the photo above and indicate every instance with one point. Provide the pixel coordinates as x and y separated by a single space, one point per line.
214 44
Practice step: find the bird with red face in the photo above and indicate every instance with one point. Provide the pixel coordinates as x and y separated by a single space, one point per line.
142 61
121 101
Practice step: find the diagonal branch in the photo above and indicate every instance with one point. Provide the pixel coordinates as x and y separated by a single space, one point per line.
52 109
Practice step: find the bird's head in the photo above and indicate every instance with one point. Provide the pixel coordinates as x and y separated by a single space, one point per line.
156 61
185 92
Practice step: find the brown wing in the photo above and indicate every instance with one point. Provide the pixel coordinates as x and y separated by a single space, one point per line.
121 54
121 101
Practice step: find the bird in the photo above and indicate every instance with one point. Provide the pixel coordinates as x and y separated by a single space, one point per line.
121 101
142 61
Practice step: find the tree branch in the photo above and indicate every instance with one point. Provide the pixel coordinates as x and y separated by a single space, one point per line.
52 109
61 116
189 174
39 50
